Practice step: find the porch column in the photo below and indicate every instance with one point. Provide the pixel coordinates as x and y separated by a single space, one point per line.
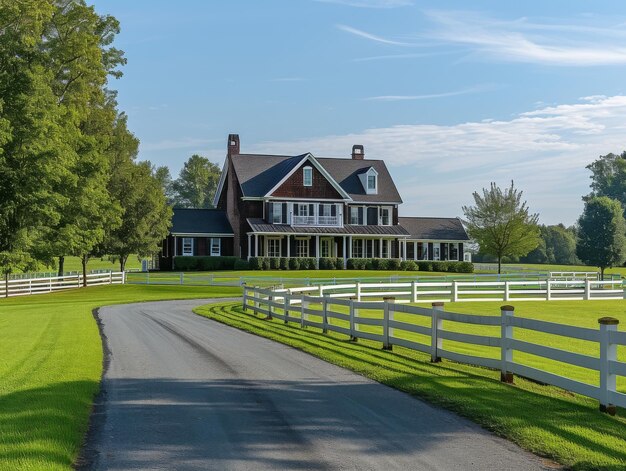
317 248
256 245
414 250
345 255
288 247
350 246
404 257
249 246
175 247
380 244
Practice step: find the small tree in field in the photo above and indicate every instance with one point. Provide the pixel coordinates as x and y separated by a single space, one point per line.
501 224
602 233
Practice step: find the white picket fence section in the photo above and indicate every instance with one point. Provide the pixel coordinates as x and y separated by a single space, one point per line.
54 283
453 291
296 305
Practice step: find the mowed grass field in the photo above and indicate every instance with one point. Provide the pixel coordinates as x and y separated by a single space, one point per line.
559 425
50 369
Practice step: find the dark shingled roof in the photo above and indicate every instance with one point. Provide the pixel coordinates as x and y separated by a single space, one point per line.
259 173
259 225
200 221
434 228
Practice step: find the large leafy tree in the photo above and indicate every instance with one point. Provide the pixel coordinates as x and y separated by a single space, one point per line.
146 216
164 177
601 233
34 147
78 51
557 246
196 185
501 223
608 177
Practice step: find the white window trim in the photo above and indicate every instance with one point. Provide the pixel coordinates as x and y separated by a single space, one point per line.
280 213
186 253
305 170
380 215
357 215
300 240
280 246
219 247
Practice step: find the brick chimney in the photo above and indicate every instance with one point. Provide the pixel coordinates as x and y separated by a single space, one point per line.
358 152
233 144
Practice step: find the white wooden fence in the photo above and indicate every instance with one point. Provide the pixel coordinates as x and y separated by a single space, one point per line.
55 283
396 324
453 291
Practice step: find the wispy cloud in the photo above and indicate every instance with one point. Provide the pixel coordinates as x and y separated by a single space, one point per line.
524 41
544 150
429 95
370 3
371 37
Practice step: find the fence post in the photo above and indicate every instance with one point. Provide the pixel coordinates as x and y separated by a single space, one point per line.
286 308
608 353
270 299
387 316
413 291
506 313
303 305
507 291
587 296
245 300
324 317
358 291
30 286
321 294
436 343
548 290
353 326
455 288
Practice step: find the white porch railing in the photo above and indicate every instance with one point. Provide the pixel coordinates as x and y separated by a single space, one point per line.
54 283
396 324
315 220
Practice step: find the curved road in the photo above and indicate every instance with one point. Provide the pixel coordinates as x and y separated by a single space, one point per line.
183 392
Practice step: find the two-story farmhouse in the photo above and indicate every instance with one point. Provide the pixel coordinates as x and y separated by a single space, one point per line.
307 206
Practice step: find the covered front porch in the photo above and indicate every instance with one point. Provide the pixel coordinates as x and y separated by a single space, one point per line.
435 250
325 246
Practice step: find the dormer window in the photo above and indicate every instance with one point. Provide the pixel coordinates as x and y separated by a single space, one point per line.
369 180
307 176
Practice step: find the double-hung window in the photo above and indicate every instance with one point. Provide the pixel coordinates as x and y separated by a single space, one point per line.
216 247
302 247
371 182
277 213
273 247
357 248
385 216
354 215
187 246
307 176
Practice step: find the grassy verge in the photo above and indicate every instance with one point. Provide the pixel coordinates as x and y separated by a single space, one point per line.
545 420
50 368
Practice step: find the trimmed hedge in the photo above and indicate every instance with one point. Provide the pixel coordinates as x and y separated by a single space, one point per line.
395 264
204 263
282 263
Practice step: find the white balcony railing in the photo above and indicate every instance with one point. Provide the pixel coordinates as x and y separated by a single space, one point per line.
316 220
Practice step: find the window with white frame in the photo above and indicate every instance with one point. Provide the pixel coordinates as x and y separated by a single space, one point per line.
187 246
357 215
385 216
371 182
302 247
307 176
216 247
273 247
357 248
277 213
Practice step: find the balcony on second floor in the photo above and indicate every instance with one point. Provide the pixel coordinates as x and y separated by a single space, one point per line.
316 220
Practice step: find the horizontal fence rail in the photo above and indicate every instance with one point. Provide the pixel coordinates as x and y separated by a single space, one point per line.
25 287
351 310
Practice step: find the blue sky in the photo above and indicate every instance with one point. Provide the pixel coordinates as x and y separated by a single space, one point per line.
452 95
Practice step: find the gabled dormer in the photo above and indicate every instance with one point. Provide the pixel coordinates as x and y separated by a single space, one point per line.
369 180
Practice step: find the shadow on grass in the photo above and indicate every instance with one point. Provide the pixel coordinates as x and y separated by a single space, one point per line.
42 428
544 420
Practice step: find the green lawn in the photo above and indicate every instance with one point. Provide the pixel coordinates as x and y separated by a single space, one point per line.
546 420
537 267
50 368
